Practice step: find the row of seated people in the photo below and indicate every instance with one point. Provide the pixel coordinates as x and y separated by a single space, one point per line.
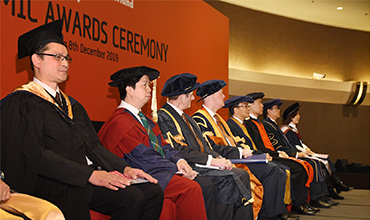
205 138
284 142
50 149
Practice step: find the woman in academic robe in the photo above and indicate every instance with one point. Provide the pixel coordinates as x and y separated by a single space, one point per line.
291 118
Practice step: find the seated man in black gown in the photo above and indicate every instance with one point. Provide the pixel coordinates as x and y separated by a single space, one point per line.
50 149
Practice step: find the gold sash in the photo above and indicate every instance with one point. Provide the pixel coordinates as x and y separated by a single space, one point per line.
39 91
32 207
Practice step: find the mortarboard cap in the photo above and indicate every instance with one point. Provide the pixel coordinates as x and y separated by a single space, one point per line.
290 110
271 103
42 35
236 100
256 95
210 87
129 73
180 84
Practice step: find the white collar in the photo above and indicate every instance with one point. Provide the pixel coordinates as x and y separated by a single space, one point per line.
253 116
129 107
272 120
293 126
209 111
239 120
179 111
50 90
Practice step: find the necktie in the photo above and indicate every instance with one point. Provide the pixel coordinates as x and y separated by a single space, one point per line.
195 136
229 139
58 100
153 139
61 102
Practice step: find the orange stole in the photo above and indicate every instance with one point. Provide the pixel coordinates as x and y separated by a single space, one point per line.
267 143
308 168
218 138
264 136
256 189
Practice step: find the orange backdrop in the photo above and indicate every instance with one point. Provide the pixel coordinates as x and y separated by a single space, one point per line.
105 36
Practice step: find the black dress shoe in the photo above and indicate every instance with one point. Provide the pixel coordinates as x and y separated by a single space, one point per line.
302 209
312 208
342 187
334 195
328 200
319 203
293 217
288 216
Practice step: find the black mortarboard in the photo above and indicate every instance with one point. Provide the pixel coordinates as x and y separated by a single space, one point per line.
271 103
42 35
210 87
256 95
236 100
129 73
290 110
180 84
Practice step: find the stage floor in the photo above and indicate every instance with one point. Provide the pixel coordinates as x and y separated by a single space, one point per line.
356 205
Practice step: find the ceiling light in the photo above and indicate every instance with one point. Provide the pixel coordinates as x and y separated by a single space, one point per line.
339 8
318 76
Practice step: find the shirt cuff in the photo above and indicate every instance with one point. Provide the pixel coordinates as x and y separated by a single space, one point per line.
240 153
209 160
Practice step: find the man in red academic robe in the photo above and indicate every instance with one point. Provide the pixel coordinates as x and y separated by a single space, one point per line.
138 140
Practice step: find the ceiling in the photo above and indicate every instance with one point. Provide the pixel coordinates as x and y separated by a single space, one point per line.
354 15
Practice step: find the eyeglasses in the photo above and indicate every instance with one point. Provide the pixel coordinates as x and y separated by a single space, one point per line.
59 57
246 106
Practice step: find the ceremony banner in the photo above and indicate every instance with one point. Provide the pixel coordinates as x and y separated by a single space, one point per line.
107 35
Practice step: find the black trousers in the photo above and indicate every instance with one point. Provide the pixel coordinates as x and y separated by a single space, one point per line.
138 201
318 188
298 179
243 212
208 190
229 212
273 179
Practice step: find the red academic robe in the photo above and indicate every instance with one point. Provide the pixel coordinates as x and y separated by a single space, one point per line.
126 137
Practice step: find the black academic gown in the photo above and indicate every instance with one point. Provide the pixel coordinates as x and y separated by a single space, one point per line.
298 174
278 139
188 145
318 186
178 133
271 176
43 152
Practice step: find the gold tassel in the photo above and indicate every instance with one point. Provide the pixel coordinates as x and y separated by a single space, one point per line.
154 101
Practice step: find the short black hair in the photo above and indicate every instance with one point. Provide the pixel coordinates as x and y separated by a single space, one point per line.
41 49
129 82
231 109
290 117
265 111
38 50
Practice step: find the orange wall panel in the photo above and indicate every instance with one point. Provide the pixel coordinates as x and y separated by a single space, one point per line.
183 36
